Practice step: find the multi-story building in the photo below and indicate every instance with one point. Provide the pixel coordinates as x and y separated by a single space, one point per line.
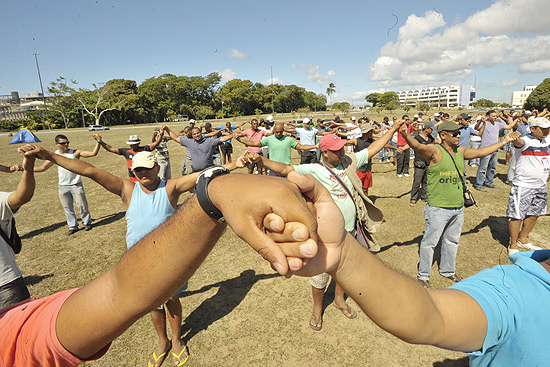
13 108
448 96
520 96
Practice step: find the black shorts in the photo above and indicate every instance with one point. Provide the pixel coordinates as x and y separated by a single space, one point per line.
252 165
13 292
226 148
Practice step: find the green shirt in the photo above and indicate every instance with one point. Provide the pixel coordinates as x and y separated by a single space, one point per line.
279 149
339 195
444 185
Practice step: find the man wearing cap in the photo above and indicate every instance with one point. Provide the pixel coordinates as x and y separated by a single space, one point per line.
128 153
418 190
336 161
466 132
523 128
444 211
487 166
308 136
253 134
364 172
70 184
163 155
148 201
529 193
279 145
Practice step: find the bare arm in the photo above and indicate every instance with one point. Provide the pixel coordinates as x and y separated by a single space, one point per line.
427 151
249 143
277 167
87 153
479 153
154 268
305 147
175 137
44 167
381 142
105 146
156 142
9 169
25 189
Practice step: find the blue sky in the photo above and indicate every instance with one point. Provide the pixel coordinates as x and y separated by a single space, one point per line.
502 45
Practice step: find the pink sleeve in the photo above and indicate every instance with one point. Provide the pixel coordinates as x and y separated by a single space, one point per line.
29 338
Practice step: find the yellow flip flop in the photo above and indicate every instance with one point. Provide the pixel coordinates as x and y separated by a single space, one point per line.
178 356
163 356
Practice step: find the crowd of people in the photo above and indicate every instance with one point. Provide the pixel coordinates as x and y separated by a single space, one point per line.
336 241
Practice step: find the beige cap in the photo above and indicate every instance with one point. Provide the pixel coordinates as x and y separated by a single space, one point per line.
144 160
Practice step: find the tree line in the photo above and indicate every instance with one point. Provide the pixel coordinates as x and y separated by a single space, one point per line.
166 98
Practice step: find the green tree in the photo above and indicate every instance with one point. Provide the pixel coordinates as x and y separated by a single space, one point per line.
387 98
202 112
341 106
102 99
483 103
373 98
392 105
331 89
539 98
423 106
407 108
62 100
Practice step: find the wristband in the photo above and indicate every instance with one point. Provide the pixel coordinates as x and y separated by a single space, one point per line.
201 189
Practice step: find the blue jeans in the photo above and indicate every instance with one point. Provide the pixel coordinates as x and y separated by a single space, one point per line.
474 145
486 170
66 195
443 225
383 155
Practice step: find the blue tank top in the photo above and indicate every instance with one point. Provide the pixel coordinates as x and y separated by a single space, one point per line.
146 212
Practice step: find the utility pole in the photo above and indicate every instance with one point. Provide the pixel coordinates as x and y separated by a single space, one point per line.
41 87
272 104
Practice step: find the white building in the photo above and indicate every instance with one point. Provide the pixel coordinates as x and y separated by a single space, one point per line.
448 96
520 96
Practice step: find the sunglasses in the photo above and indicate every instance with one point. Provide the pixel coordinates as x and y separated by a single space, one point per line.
454 134
63 142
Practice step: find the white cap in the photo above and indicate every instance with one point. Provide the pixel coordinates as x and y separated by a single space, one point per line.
191 121
436 114
353 118
144 160
306 121
541 122
269 118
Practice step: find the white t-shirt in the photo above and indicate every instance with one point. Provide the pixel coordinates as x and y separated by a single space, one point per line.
9 271
533 164
339 195
355 133
67 177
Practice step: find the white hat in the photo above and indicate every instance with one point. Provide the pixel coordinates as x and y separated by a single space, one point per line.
144 159
541 122
191 121
269 118
306 121
416 116
436 114
133 139
353 118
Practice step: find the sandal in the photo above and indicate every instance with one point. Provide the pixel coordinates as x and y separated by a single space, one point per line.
425 283
412 203
317 321
177 357
158 361
351 313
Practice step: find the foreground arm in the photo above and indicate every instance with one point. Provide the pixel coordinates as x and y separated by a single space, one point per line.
153 269
9 169
478 153
446 318
277 167
25 189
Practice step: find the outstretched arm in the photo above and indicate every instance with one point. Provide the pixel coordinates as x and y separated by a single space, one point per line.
9 169
25 189
479 153
112 183
175 137
105 146
381 142
427 151
277 167
153 269
87 153
248 143
305 147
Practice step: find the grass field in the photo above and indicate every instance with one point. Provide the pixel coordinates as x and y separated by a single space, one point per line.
237 312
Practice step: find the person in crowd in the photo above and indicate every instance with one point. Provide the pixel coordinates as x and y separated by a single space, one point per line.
466 132
70 184
364 172
163 155
335 162
529 193
13 168
253 134
187 168
383 155
444 210
12 286
487 166
420 180
128 153
308 136
523 128
403 150
475 142
226 147
279 145
148 203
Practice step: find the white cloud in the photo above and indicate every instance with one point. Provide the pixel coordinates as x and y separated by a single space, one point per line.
235 54
227 75
314 74
509 83
429 52
275 81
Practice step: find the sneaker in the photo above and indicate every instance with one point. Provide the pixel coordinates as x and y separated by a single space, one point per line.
512 251
406 175
87 227
425 283
473 165
480 188
455 278
508 182
491 186
72 231
399 175
528 246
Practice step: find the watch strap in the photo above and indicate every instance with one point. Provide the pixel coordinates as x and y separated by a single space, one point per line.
201 190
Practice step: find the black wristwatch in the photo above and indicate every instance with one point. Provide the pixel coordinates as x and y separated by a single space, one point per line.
201 190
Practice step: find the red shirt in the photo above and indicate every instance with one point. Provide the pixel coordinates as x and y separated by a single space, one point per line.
400 139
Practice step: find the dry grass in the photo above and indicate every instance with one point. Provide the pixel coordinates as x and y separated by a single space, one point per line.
237 311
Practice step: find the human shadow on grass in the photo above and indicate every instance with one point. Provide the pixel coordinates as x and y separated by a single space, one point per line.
413 241
101 221
462 362
230 294
35 279
498 227
375 197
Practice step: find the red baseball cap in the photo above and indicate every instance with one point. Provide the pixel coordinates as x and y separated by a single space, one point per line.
331 142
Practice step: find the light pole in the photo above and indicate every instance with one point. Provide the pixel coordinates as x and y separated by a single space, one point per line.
272 105
41 87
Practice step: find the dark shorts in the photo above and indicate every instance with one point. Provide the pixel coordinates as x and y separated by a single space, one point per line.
13 292
226 148
252 165
366 178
